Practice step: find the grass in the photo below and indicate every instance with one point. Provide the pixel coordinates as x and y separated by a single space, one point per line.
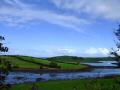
21 64
95 84
71 66
35 63
65 62
39 60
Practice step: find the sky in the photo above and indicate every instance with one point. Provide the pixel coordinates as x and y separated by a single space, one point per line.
46 28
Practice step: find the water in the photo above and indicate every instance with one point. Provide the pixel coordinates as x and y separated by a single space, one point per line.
24 77
103 63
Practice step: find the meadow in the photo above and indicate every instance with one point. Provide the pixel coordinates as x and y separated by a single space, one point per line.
26 62
64 63
111 83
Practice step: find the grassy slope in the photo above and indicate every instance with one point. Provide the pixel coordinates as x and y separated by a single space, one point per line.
22 64
71 66
63 65
66 62
74 59
99 84
25 62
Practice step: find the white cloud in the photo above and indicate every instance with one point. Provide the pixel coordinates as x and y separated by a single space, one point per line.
42 52
20 13
108 9
90 52
65 51
97 51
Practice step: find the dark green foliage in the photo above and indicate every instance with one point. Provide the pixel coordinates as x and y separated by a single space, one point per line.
76 60
41 66
115 52
6 66
34 87
15 66
66 59
54 64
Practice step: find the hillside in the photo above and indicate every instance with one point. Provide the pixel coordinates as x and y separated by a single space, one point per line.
27 62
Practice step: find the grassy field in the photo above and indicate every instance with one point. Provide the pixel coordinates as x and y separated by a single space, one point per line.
71 66
65 62
17 62
27 62
95 84
74 59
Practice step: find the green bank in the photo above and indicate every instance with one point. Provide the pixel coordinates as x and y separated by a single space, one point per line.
91 84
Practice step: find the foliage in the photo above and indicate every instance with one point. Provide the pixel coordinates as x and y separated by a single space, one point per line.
110 83
54 64
5 66
66 59
27 62
115 52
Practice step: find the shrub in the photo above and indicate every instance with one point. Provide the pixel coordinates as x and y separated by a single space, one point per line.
54 64
15 66
41 66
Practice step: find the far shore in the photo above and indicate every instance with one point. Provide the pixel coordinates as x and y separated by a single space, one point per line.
88 68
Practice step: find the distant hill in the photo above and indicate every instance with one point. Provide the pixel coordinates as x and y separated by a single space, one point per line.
28 62
66 59
80 59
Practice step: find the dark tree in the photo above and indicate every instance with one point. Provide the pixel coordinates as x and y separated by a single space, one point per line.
115 52
6 66
54 64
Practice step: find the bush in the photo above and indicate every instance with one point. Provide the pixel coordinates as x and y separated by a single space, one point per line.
15 66
41 66
54 64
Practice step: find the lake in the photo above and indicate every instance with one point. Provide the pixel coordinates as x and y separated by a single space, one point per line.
25 77
103 64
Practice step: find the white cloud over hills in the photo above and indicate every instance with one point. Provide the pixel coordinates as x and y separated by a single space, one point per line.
89 52
97 51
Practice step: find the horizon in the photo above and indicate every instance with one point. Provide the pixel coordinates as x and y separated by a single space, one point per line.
51 28
57 56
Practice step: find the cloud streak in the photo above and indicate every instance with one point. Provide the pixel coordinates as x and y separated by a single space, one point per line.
17 13
108 9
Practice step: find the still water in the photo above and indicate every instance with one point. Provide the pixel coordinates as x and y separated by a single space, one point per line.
24 77
103 63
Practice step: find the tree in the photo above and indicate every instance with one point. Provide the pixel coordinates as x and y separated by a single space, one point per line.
116 52
5 65
54 64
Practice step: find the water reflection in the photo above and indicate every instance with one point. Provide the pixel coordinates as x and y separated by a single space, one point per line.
24 77
20 77
103 63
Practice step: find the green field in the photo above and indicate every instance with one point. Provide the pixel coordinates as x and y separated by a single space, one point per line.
75 59
64 62
26 62
95 84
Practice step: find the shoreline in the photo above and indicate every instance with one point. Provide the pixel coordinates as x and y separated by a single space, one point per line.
96 78
87 68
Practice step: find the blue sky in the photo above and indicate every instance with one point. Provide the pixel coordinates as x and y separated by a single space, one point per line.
59 27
